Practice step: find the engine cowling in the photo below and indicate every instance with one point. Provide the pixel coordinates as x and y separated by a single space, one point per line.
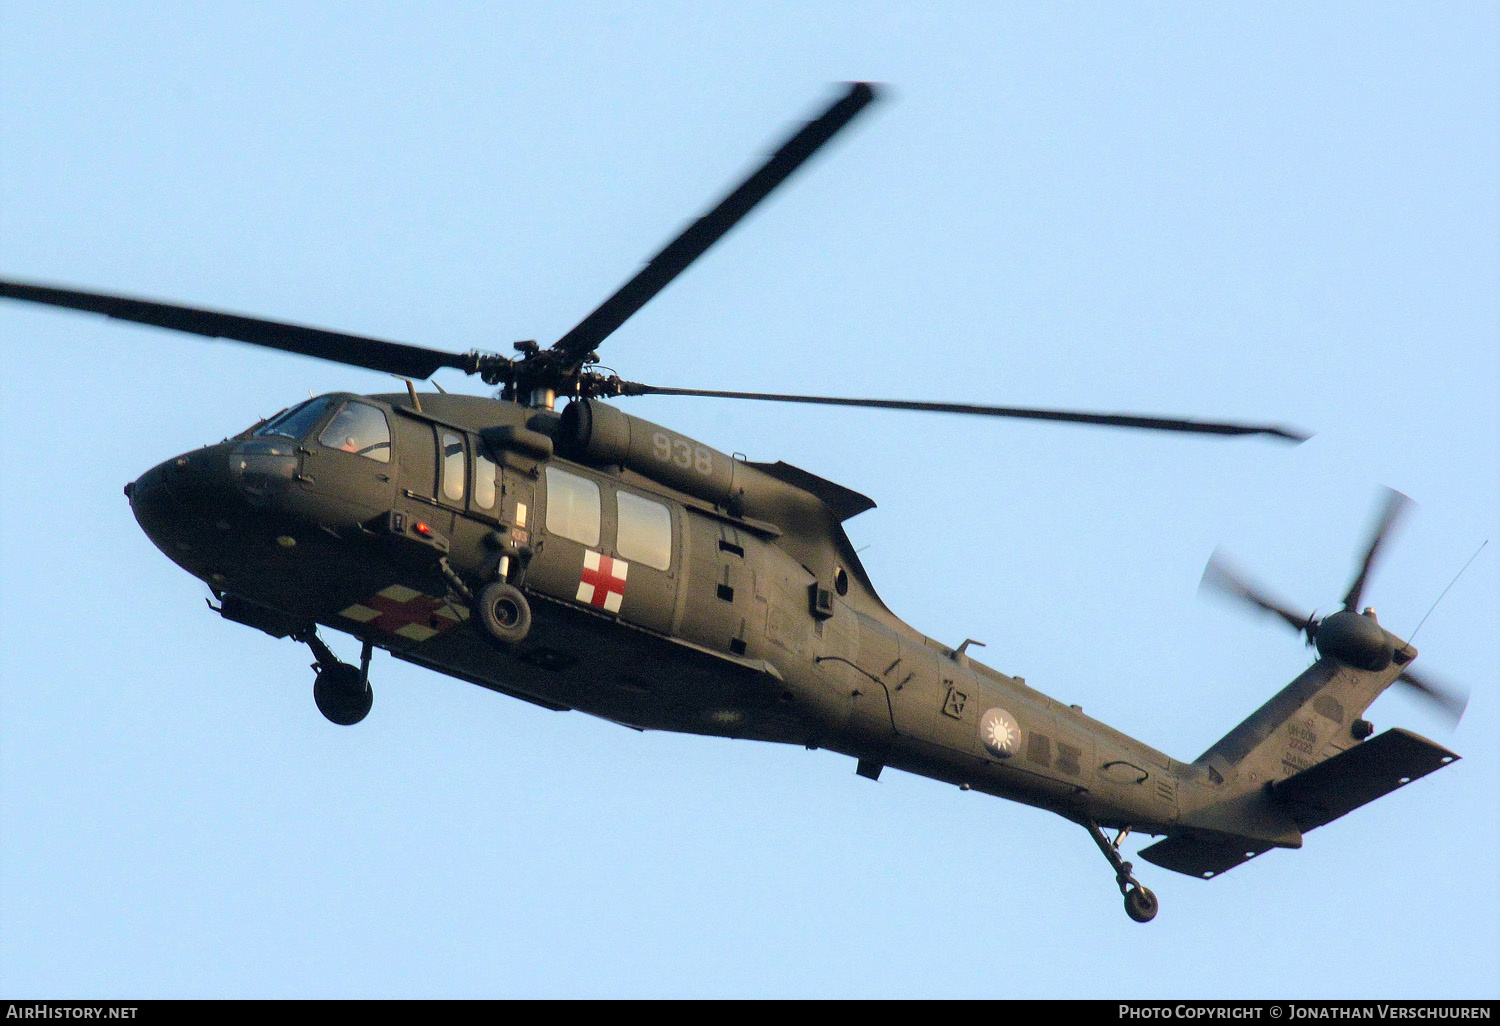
595 432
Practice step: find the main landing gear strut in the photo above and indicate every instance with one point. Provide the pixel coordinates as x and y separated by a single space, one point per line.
1140 903
341 690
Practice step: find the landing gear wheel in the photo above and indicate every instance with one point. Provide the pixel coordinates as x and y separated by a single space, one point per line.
503 612
343 694
1140 903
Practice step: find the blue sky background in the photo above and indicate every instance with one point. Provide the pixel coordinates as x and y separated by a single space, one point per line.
1281 212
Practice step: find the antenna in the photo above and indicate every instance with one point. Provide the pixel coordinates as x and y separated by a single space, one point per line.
1450 586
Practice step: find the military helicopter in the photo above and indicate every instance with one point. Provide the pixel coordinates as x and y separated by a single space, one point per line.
588 559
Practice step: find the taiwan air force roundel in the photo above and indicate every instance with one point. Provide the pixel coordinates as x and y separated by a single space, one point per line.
603 581
1000 733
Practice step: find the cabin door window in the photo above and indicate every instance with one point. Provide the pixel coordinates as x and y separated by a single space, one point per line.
572 507
643 548
485 476
451 468
644 531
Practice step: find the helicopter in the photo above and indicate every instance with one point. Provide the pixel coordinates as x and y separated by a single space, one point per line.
587 559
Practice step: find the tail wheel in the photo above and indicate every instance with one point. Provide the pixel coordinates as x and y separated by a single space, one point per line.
343 694
503 612
1140 903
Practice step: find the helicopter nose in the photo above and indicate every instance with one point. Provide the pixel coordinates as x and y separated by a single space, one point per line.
179 502
153 504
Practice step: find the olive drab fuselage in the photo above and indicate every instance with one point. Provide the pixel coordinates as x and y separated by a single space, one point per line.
667 586
594 561
731 604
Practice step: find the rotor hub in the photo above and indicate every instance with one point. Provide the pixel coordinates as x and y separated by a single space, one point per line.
1355 639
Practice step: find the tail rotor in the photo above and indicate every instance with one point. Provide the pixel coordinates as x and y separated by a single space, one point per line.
1350 635
1224 578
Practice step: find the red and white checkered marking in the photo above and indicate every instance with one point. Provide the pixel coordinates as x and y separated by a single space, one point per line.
406 612
603 582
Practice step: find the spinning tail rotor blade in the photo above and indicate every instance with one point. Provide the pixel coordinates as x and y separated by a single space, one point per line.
1452 701
1220 576
1396 506
397 358
1125 420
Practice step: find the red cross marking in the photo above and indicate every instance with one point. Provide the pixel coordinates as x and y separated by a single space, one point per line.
604 581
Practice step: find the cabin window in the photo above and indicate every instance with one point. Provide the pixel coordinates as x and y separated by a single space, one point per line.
453 467
484 481
645 531
361 429
296 422
572 507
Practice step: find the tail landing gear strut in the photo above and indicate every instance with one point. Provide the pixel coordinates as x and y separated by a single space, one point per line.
341 690
1140 903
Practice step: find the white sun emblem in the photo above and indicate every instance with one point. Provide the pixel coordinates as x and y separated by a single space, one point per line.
1000 732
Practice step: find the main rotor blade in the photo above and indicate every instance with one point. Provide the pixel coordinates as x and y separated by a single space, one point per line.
708 229
1395 507
397 358
1221 576
1451 700
1068 416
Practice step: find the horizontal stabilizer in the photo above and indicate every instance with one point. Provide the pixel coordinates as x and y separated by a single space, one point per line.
844 502
1323 793
1202 858
1318 795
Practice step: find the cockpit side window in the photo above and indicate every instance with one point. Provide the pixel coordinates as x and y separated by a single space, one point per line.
296 422
361 429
